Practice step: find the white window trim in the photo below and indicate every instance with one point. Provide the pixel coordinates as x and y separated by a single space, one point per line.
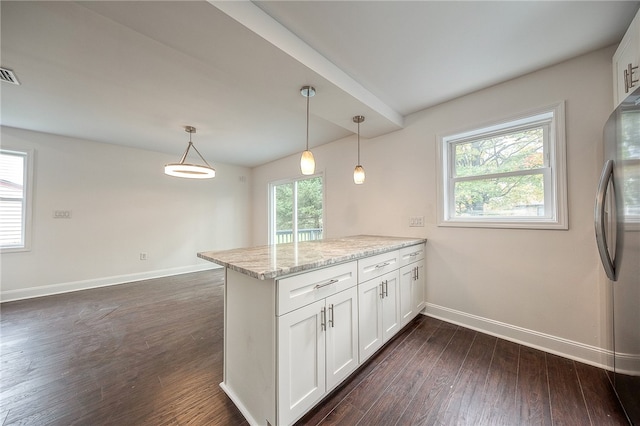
28 199
271 216
558 218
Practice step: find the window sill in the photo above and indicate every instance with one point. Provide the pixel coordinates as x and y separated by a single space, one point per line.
505 224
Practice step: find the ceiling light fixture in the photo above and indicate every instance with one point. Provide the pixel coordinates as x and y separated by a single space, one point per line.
190 171
358 172
307 162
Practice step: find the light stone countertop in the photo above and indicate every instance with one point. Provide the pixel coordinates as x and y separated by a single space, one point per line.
273 261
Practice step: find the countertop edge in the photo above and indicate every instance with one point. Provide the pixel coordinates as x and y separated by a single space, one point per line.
285 271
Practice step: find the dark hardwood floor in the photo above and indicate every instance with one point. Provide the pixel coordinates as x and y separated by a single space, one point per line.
150 353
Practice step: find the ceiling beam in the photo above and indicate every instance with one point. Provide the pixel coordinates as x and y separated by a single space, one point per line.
255 19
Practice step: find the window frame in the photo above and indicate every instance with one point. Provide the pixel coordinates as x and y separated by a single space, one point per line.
271 208
27 198
553 171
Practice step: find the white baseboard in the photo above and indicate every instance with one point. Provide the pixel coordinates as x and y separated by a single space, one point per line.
48 290
577 351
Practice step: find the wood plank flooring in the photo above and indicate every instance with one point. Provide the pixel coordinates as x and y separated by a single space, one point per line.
150 353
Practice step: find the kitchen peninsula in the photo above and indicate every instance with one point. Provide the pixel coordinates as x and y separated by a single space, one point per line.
299 318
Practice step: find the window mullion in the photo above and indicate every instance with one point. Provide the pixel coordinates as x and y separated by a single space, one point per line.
295 211
537 171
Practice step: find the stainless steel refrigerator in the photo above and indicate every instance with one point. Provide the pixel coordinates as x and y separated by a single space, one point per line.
617 223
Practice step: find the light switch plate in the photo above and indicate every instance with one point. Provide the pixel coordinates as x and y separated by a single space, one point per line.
62 214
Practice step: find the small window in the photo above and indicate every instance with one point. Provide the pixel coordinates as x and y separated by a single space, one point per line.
297 211
507 175
15 205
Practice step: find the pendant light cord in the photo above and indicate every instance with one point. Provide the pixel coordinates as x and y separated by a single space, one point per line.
308 96
358 142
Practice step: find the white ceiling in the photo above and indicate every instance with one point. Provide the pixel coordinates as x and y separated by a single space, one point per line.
136 72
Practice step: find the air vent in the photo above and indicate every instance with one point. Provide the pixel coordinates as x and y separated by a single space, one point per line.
8 76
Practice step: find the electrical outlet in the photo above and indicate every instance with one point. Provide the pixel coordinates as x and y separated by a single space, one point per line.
416 220
143 256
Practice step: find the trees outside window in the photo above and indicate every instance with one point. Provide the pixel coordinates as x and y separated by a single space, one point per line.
510 174
296 210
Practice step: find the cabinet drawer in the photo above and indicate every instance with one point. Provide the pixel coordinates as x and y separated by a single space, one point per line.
374 266
300 290
411 254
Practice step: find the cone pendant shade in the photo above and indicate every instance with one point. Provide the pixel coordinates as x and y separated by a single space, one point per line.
307 163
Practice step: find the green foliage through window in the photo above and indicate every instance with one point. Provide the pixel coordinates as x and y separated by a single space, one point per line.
500 156
298 210
508 174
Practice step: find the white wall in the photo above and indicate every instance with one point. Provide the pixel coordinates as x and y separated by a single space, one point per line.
122 204
543 288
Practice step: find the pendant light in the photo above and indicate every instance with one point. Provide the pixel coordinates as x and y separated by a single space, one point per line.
307 162
358 172
190 171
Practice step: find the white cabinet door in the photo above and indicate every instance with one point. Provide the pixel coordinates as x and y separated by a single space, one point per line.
341 336
418 288
301 361
411 291
369 318
378 312
626 73
407 289
390 305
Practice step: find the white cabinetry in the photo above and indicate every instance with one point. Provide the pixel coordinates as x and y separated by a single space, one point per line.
317 336
317 349
378 301
626 74
341 336
291 339
411 283
378 312
301 361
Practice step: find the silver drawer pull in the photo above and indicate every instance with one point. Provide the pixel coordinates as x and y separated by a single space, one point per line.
331 315
317 286
382 265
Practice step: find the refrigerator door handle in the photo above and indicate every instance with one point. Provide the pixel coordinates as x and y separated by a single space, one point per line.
599 219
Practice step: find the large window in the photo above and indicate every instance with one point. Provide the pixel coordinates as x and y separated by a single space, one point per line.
296 210
510 174
15 206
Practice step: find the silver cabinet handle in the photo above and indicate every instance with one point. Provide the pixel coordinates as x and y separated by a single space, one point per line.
417 273
317 286
331 315
323 319
628 77
599 219
382 265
